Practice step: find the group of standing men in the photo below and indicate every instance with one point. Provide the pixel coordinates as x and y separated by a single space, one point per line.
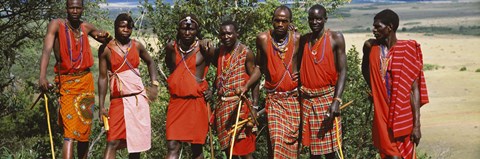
304 80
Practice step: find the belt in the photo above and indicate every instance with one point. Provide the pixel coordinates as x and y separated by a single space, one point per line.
293 92
78 73
231 98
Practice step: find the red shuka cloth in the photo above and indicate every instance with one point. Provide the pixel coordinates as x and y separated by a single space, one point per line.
187 114
323 73
280 78
77 62
393 118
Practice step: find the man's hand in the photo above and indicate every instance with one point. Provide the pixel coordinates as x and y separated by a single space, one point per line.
334 110
241 90
102 112
416 135
44 85
207 94
152 92
295 76
103 36
205 45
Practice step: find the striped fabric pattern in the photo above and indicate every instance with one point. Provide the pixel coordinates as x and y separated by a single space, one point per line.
283 115
405 66
319 133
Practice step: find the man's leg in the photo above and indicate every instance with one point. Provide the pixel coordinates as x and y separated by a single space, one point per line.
173 149
197 151
249 156
67 150
330 155
82 149
394 157
111 150
134 155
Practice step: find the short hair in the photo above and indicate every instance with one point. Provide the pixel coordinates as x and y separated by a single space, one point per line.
230 22
388 17
124 17
66 2
283 7
190 18
318 7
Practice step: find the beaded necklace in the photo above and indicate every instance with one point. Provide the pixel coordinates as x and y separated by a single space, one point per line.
282 48
192 47
69 46
384 60
317 44
184 59
226 69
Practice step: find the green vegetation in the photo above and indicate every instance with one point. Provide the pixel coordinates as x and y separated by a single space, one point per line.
477 70
463 68
428 67
23 132
412 23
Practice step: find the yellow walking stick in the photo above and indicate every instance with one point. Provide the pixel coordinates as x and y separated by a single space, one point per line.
338 138
337 131
235 129
49 127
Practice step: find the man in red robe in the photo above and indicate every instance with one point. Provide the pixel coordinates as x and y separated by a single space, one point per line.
236 70
129 112
187 114
69 40
277 57
322 74
393 70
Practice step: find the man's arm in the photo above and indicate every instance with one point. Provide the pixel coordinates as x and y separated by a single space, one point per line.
303 41
48 41
103 56
260 58
169 50
152 91
341 67
366 61
149 61
415 102
101 36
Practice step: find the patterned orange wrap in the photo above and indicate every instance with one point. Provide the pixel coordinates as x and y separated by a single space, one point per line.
76 84
77 99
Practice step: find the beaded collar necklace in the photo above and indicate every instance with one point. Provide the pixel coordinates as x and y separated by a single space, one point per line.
69 46
192 47
315 46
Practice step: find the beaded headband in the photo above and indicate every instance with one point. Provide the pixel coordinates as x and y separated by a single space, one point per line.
189 20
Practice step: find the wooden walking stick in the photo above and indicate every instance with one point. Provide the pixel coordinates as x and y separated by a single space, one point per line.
49 127
212 150
232 142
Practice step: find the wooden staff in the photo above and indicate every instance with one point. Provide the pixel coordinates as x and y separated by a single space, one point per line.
235 129
49 127
243 122
212 150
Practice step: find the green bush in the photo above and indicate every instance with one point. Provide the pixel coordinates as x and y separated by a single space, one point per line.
463 68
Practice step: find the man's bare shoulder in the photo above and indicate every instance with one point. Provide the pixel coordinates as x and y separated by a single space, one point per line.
369 43
104 51
263 36
170 46
336 34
